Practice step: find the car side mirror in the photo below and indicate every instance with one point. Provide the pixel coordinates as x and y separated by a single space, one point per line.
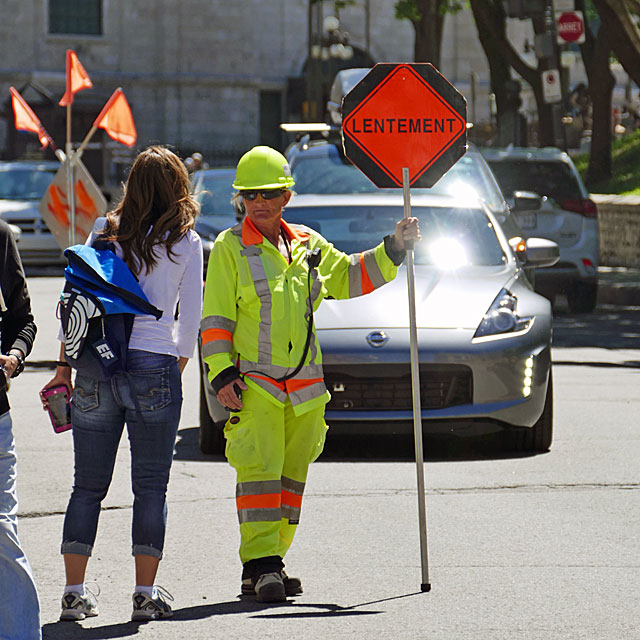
526 201
540 252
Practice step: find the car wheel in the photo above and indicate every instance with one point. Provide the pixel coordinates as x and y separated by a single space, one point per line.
538 438
212 440
582 297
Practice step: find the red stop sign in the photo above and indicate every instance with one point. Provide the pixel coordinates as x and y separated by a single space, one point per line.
404 115
570 26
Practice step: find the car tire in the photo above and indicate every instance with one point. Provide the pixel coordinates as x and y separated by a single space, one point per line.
212 440
582 297
537 439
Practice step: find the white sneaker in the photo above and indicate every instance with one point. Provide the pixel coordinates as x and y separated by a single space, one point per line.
147 608
77 607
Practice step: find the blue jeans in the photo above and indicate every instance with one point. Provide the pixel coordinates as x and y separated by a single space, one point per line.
99 411
19 608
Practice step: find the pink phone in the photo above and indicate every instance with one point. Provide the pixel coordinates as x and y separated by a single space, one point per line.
55 400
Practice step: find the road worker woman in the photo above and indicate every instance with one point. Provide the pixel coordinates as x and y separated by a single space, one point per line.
263 280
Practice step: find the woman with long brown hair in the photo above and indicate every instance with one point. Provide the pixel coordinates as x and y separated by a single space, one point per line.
152 231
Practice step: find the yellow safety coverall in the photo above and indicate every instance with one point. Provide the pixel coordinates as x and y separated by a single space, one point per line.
255 321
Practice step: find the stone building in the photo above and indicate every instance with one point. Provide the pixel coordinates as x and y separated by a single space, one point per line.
216 76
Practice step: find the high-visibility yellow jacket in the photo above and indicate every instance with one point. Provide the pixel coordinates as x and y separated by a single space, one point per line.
256 308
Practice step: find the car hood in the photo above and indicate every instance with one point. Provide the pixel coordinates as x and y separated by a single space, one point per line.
444 300
17 207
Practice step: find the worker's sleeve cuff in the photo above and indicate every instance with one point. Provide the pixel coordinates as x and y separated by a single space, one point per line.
390 249
224 378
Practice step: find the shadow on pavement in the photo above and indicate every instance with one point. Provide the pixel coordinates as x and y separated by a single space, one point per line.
243 605
606 327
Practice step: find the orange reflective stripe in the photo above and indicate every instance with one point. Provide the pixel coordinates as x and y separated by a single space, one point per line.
296 385
280 385
367 287
261 501
291 499
208 335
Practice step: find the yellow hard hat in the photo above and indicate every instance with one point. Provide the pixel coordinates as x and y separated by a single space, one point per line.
263 168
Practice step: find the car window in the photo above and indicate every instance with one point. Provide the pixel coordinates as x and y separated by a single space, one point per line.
450 236
546 178
214 192
24 183
327 171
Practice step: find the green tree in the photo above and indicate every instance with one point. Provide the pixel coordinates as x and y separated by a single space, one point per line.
427 18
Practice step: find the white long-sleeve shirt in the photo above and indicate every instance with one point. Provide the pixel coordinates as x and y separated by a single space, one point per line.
174 280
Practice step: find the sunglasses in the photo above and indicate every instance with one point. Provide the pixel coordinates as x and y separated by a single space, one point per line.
267 195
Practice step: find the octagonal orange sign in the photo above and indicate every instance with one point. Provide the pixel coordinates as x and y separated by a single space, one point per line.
404 115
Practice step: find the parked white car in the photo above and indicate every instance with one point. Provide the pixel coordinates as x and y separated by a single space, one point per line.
565 214
22 185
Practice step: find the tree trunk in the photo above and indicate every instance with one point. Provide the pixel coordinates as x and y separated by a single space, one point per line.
428 31
601 82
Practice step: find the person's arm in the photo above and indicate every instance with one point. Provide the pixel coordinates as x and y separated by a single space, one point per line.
18 326
62 374
190 296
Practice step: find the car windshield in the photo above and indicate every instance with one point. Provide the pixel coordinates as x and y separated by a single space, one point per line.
551 179
331 173
214 192
24 184
451 237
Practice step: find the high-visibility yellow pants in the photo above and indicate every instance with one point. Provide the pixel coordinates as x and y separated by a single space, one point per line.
271 450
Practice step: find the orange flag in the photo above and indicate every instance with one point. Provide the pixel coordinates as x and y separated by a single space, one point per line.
116 119
26 120
77 79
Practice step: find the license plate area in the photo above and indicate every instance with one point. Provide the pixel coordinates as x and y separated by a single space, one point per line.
527 220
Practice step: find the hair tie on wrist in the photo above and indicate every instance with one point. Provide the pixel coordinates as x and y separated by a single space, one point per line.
62 363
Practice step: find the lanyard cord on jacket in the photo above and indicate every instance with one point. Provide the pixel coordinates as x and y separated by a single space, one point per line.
313 260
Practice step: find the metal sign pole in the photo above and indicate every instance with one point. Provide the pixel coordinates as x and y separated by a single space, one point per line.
415 388
71 199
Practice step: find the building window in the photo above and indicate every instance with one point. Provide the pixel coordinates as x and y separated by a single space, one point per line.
77 17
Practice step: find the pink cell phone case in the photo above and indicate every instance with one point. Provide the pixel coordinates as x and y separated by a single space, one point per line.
55 402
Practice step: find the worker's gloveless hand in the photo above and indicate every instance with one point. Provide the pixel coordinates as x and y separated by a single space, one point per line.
407 234
228 397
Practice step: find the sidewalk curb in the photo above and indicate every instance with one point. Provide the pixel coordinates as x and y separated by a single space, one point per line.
624 295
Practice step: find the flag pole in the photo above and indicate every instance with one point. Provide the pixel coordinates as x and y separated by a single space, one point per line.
71 199
85 142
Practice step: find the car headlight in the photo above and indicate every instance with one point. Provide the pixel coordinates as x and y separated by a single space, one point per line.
502 317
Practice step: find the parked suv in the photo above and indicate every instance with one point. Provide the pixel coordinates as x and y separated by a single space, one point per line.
565 214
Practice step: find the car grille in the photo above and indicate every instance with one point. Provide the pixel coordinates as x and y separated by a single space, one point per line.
30 225
388 387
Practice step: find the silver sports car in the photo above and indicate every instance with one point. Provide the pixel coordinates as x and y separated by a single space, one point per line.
484 336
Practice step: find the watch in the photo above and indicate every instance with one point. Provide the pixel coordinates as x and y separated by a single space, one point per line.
20 367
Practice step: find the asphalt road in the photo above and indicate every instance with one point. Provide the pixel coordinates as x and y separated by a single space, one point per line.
539 547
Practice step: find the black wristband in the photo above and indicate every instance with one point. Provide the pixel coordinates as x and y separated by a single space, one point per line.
224 378
62 363
394 255
20 358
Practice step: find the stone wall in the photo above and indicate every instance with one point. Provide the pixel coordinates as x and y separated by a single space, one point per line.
619 218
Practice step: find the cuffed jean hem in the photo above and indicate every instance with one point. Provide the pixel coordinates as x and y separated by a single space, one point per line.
79 548
144 550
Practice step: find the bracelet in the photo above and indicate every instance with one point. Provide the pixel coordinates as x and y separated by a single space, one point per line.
20 358
62 363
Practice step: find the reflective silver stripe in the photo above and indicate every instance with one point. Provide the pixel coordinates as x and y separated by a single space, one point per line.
291 513
237 231
373 269
217 346
311 392
355 276
276 371
258 487
217 322
261 284
259 515
271 388
251 250
292 486
316 288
